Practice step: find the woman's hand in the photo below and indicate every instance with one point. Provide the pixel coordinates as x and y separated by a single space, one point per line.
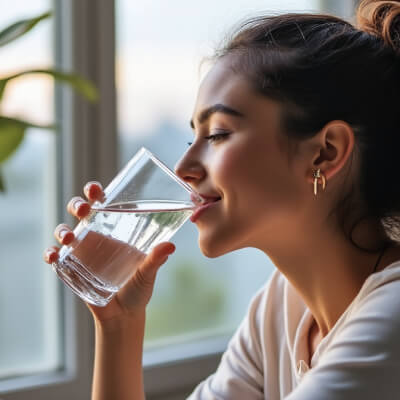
133 297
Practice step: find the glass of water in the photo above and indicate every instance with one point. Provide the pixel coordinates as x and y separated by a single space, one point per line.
144 205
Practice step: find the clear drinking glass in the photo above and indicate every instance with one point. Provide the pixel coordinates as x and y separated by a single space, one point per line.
144 205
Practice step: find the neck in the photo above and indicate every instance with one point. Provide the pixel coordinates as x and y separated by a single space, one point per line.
321 269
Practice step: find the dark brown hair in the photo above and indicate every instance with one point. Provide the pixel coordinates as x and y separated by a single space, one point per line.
322 68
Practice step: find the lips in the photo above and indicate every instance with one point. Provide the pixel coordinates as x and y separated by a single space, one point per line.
208 202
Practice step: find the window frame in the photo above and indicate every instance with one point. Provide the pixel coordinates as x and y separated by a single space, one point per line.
87 135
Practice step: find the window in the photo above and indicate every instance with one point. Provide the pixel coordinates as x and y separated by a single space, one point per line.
40 355
29 300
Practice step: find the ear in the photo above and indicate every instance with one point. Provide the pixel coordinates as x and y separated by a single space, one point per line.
334 144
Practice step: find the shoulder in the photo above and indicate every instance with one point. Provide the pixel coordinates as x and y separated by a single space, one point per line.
274 314
371 328
269 297
263 308
273 288
379 289
379 299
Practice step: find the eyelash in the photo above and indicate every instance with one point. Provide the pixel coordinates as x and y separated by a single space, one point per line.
214 138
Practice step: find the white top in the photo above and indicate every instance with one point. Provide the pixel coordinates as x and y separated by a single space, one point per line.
358 359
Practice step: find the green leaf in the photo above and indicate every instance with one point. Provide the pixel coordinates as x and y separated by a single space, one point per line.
12 132
19 28
3 83
2 185
11 135
83 86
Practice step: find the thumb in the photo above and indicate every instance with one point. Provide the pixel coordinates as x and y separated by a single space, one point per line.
153 261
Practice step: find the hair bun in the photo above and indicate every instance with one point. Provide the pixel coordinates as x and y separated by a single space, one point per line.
381 18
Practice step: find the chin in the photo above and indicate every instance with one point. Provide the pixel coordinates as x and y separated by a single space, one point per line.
210 252
213 249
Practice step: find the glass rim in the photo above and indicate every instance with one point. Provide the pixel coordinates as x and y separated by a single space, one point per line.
171 173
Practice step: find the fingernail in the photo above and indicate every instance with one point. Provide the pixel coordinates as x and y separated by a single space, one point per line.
82 209
62 233
51 256
77 204
94 191
171 250
66 236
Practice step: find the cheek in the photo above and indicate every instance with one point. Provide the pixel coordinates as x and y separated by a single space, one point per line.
226 167
241 166
250 175
235 161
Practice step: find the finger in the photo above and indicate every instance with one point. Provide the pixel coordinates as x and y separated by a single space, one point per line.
64 234
157 257
78 207
164 249
93 191
50 255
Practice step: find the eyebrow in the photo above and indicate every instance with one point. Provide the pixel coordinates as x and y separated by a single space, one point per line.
216 108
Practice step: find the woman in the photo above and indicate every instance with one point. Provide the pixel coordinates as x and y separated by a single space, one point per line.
296 133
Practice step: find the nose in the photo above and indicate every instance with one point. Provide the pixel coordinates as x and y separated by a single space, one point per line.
189 169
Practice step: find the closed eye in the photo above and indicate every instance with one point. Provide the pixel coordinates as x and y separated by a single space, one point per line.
214 138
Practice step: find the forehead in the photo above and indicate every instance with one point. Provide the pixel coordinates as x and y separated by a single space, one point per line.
223 85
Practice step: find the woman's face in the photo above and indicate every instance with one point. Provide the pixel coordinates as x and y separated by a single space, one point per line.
239 154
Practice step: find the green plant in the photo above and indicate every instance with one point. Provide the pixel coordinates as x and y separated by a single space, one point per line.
13 130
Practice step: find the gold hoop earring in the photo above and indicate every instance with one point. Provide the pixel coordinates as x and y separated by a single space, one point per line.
318 175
